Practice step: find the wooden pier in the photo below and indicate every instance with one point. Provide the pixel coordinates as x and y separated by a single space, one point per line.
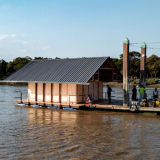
116 105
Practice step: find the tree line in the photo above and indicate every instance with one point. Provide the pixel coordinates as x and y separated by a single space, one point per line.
152 65
7 68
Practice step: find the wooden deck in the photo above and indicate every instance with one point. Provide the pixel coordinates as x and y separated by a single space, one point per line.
116 105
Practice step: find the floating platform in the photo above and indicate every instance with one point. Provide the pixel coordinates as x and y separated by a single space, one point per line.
116 105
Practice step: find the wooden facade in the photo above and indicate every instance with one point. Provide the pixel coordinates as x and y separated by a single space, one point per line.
64 93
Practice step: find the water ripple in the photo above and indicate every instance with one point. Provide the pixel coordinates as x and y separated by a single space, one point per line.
41 133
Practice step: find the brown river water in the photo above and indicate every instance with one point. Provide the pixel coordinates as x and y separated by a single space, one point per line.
43 133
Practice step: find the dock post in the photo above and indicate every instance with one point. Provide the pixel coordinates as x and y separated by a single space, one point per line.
143 65
126 72
21 97
60 102
69 102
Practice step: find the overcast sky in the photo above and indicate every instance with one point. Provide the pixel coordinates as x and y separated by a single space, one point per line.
77 28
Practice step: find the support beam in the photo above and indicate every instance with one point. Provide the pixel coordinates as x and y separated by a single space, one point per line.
60 86
98 75
143 65
36 92
51 92
126 72
44 93
77 93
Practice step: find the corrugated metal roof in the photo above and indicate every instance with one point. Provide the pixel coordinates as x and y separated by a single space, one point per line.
78 70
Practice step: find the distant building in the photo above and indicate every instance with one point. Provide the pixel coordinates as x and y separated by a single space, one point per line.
66 80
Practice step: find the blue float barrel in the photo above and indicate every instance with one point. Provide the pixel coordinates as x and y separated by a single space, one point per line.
35 105
21 104
70 109
53 107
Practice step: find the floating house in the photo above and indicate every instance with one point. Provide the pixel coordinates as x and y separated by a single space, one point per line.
66 80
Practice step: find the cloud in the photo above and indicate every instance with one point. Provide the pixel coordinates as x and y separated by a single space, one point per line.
20 41
44 48
23 34
4 36
23 50
13 35
24 42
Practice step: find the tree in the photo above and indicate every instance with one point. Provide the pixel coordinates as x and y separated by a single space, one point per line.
118 63
134 63
153 65
57 58
16 64
40 58
3 71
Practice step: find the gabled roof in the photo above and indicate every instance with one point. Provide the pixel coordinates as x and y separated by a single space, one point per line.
77 71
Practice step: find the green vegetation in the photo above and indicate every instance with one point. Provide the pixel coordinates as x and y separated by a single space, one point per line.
148 81
3 71
7 68
152 65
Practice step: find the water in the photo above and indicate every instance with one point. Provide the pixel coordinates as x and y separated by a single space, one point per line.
42 133
117 93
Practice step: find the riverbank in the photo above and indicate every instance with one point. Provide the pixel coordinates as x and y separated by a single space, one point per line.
13 83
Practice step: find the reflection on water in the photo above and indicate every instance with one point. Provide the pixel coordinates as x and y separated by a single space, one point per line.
42 133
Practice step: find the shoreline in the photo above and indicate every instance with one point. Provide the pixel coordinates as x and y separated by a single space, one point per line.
13 83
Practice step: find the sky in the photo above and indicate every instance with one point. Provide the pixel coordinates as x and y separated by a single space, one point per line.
77 28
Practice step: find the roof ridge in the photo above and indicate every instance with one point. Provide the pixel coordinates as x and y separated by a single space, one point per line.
69 58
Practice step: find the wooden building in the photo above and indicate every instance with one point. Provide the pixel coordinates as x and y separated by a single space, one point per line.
66 80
